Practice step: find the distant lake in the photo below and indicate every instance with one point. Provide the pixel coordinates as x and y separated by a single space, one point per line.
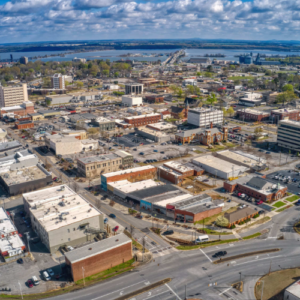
115 54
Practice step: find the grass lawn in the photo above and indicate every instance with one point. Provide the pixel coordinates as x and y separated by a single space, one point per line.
278 204
210 231
198 151
252 236
284 208
261 221
275 283
205 244
292 198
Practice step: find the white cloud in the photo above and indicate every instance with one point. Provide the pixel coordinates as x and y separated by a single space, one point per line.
172 19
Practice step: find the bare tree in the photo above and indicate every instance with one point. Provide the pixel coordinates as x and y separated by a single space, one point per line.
144 244
75 187
131 230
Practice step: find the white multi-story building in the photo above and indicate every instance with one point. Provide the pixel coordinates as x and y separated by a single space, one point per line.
203 117
58 81
13 95
288 134
132 101
61 217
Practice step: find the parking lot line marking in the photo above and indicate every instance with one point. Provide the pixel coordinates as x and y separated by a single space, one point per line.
173 292
225 291
118 290
205 255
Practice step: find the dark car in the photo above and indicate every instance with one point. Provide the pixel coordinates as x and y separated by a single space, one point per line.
29 283
113 216
261 212
162 152
168 232
220 253
20 261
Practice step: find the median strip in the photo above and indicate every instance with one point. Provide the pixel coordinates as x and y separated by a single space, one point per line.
230 258
144 289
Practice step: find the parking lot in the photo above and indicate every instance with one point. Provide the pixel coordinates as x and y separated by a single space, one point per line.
293 185
131 140
15 275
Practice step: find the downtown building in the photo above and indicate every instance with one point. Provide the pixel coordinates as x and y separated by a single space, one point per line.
204 117
288 135
13 95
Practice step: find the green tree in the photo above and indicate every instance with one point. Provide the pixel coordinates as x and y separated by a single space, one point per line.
230 111
222 221
276 81
179 92
208 74
211 99
237 82
285 97
105 72
209 68
79 84
190 89
258 131
288 87
93 70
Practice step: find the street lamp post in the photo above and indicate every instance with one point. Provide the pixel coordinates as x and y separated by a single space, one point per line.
28 237
20 289
240 276
83 276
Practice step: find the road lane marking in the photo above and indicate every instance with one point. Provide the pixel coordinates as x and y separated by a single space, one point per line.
119 290
225 291
173 292
205 255
258 259
155 295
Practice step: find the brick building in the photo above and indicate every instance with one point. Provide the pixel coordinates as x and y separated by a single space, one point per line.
256 187
143 120
203 136
194 208
252 115
285 113
133 175
240 215
175 172
18 111
179 112
100 256
24 124
154 99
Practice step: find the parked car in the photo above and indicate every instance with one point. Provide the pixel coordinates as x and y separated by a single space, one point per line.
105 220
20 261
69 248
260 202
46 276
113 216
168 232
29 283
50 272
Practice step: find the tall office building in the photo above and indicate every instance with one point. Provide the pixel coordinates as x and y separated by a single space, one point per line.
58 81
24 60
13 95
288 135
204 117
134 88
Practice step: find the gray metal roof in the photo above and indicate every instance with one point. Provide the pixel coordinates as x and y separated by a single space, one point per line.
9 145
258 182
239 214
93 249
147 193
188 133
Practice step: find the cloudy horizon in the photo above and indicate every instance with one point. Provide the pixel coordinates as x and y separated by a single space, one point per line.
60 20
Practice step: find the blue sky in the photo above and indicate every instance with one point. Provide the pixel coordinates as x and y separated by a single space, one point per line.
42 20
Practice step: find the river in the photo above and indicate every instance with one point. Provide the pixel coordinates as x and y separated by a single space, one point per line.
115 54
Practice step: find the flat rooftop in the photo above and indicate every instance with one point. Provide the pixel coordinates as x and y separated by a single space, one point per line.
254 112
245 158
142 116
117 184
152 131
178 166
133 83
10 243
93 249
23 175
9 145
58 206
173 200
98 158
137 186
127 171
294 289
6 225
285 110
162 125
103 120
218 164
290 122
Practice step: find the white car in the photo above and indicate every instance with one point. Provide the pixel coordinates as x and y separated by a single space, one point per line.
70 248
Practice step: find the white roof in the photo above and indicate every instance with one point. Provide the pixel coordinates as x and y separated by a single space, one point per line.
6 225
132 187
163 203
116 184
294 289
59 206
12 242
218 164
239 156
161 125
142 116
177 166
133 170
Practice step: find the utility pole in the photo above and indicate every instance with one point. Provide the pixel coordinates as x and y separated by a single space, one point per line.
27 237
83 276
20 289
